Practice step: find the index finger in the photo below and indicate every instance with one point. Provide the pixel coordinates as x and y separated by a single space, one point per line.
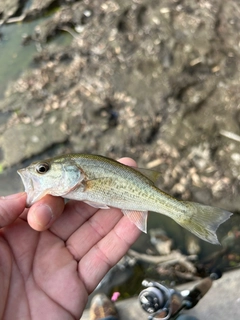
11 208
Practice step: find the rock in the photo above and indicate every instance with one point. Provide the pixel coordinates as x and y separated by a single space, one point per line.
8 8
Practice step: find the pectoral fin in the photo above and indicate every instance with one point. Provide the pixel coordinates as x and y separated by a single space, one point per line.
139 218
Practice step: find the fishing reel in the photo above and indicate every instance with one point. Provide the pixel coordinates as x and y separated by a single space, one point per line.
159 300
164 303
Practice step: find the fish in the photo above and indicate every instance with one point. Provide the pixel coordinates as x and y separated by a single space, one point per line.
104 183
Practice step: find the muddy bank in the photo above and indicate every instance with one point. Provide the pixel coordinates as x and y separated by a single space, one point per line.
155 81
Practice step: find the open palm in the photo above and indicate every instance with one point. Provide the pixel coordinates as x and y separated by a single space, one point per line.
49 274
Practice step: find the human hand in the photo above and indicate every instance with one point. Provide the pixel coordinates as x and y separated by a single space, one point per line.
49 274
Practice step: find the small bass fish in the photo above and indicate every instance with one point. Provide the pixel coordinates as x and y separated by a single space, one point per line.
102 183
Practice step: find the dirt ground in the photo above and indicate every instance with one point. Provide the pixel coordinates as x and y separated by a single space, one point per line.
154 80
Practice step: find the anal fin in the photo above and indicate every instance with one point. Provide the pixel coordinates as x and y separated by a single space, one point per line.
139 218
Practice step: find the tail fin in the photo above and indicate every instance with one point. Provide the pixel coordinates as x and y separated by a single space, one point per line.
203 221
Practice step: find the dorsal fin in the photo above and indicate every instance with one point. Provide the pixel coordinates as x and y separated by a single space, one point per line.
150 174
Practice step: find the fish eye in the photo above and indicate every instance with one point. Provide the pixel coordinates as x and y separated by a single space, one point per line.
43 167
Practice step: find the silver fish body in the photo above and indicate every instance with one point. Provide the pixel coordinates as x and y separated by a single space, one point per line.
103 183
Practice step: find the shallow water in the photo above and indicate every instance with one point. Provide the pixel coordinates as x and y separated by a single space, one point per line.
16 58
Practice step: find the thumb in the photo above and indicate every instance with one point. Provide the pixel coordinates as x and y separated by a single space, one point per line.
44 212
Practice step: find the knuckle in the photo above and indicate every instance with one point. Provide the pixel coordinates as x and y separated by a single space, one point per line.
4 217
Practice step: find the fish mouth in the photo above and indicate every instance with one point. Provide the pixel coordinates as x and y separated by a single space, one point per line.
32 194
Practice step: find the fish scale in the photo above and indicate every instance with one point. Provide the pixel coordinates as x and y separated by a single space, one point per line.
103 182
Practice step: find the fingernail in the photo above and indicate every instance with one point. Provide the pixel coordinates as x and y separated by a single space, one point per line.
13 196
42 215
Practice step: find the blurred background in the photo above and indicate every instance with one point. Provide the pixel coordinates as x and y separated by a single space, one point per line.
154 80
